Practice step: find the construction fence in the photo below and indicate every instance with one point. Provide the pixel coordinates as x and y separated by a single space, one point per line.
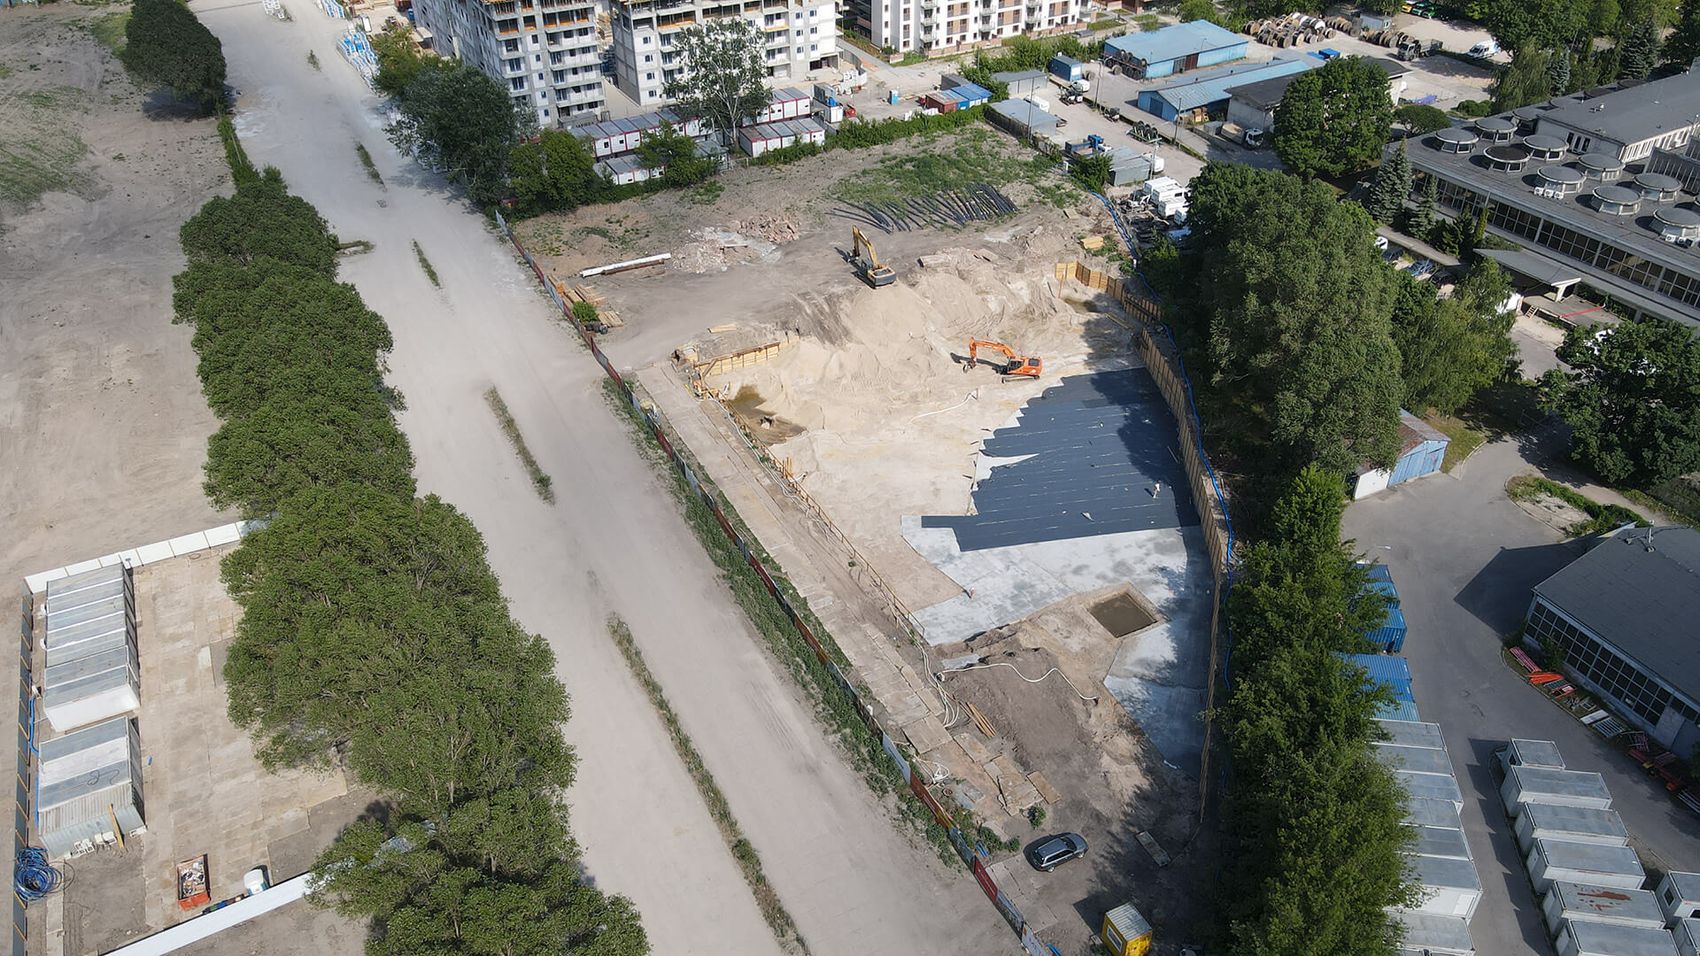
973 856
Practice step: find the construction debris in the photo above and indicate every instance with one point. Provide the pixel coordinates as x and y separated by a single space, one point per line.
771 227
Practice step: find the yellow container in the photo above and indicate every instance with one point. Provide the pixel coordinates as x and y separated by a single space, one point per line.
1126 932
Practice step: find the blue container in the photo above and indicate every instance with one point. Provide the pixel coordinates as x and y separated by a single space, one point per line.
1066 68
1398 710
1377 572
1390 637
1392 672
1386 589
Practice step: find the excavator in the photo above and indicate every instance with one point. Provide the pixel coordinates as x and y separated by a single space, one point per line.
1024 366
867 261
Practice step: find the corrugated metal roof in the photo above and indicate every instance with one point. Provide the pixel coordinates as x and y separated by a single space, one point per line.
1173 42
1202 90
1025 114
1384 669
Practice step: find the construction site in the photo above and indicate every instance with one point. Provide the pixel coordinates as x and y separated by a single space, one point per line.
953 447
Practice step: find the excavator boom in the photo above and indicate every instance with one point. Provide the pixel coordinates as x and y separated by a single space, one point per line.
867 261
1023 366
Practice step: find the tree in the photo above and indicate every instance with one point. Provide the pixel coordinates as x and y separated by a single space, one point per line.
165 44
1422 217
1542 24
1525 81
676 154
461 122
400 60
554 172
1295 303
1632 399
1391 188
261 221
722 82
1334 120
1422 119
1452 348
1639 51
1683 44
1092 172
1559 71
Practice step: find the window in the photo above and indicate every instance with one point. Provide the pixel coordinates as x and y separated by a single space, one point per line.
517 83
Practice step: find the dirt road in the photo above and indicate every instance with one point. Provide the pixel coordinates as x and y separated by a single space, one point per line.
614 542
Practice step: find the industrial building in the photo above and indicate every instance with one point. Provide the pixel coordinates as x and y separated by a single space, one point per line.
800 36
1021 118
1422 450
1174 49
1204 96
1253 104
946 26
1598 186
1624 613
545 54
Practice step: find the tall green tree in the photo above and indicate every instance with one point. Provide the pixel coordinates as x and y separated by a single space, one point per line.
1296 307
462 123
167 45
556 171
1452 348
1542 24
1683 44
723 80
1392 186
1639 51
1526 80
399 60
676 155
1422 218
1334 120
290 443
261 221
1559 71
1631 398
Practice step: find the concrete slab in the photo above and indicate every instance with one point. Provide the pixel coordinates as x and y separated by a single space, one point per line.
926 734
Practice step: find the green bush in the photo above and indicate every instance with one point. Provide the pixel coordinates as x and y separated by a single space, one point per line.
788 154
165 44
1474 108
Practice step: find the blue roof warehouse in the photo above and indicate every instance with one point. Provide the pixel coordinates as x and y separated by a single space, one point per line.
1208 92
1174 49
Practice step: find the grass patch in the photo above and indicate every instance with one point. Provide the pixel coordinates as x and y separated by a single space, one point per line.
1112 22
767 899
109 30
1462 440
543 237
942 162
1148 22
540 480
1601 517
705 193
832 706
425 264
39 153
372 171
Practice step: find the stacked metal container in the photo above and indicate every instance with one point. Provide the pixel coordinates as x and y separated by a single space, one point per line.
89 788
1439 859
1687 933
1600 904
1679 897
1390 636
92 673
1584 938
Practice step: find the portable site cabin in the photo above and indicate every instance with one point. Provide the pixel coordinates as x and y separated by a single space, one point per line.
1413 733
1570 824
1436 935
1600 904
1066 68
92 689
115 607
1687 933
1447 886
970 94
757 140
1584 938
1430 786
1447 842
1593 863
1429 812
1530 753
89 787
1679 896
1571 788
110 586
1125 932
1419 759
787 103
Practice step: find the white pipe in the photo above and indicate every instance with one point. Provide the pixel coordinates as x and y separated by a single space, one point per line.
628 264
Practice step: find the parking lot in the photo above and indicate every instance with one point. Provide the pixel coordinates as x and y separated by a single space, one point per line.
1464 558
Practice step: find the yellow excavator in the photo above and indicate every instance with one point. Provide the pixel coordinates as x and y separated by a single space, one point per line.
867 261
1023 366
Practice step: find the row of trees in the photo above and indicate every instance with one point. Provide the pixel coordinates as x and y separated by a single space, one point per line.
373 634
166 45
1316 822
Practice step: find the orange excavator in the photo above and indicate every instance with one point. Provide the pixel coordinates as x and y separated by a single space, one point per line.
1024 366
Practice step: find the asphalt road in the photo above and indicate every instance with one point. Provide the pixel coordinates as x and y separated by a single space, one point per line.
1464 558
614 542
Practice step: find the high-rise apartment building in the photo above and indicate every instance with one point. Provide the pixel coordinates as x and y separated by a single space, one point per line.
801 35
934 26
543 51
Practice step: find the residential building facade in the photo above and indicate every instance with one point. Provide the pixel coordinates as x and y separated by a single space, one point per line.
801 35
543 51
944 26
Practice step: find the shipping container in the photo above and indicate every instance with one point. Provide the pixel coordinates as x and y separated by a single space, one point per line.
1445 842
1447 886
1385 588
757 140
971 94
1679 896
1429 812
1432 786
1438 935
1391 672
1593 863
1066 68
1419 759
92 689
1687 933
1571 824
112 587
1572 788
1397 710
1390 636
1530 753
90 782
941 102
116 607
1582 938
1600 904
1413 733
86 639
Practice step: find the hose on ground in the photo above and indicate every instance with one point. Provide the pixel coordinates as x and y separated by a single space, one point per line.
34 877
1030 680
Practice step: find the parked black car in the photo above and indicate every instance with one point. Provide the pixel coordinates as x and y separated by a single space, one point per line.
1053 851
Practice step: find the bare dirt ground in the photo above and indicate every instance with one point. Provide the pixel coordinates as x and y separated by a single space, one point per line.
101 414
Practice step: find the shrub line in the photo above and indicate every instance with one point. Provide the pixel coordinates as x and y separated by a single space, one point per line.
540 479
425 264
371 168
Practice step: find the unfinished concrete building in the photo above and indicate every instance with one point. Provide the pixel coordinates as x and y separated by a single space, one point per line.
543 51
941 26
801 35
